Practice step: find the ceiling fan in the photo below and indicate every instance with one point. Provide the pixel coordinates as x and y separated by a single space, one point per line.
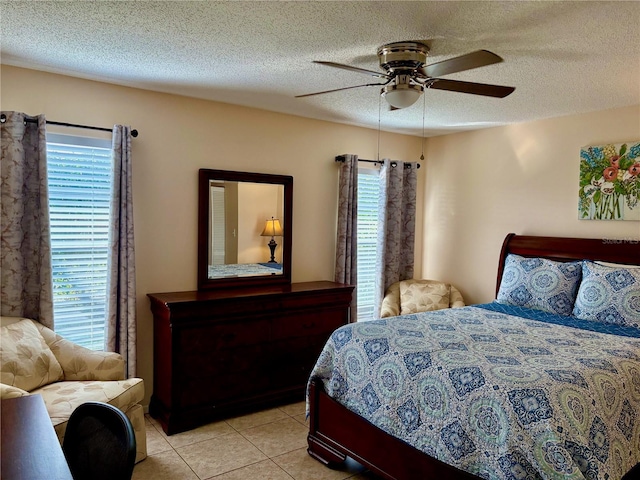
407 74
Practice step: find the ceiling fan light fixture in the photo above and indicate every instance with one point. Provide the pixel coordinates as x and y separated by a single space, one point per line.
402 95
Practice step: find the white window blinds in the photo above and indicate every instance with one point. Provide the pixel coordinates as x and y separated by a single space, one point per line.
79 172
218 222
368 192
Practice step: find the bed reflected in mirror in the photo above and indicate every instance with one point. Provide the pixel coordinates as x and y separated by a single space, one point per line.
244 231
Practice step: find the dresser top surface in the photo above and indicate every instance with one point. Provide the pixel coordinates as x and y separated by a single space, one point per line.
228 293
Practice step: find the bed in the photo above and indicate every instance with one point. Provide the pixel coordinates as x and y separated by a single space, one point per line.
499 390
244 270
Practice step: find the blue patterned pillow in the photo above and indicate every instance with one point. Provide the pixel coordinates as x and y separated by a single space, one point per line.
609 295
540 283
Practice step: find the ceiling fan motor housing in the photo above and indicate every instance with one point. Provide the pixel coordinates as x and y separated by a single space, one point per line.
403 56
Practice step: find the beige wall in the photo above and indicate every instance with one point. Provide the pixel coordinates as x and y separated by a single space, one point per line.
179 135
257 203
521 178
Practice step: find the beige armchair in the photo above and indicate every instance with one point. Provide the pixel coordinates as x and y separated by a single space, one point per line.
36 360
412 296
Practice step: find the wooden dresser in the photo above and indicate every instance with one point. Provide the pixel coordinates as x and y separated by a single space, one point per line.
221 352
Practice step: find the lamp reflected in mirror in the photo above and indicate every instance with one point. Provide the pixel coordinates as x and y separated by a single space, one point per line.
272 229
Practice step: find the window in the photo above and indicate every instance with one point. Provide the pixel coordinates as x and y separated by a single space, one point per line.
367 237
79 177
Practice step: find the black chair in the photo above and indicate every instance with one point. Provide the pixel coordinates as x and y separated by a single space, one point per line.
99 443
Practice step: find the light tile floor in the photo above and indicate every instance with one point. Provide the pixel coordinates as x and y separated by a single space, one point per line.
266 445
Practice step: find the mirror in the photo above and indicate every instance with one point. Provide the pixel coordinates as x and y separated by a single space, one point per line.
244 228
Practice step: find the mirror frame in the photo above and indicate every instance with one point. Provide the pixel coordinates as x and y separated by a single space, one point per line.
204 178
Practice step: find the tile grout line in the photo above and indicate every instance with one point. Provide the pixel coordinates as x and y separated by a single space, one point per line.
248 464
261 451
174 449
187 464
217 436
268 457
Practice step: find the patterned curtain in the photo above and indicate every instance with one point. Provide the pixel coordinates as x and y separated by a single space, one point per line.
346 247
396 225
25 257
121 283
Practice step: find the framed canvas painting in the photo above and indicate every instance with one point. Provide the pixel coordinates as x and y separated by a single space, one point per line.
610 182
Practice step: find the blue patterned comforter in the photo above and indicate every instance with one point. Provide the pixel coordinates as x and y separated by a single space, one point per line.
244 270
494 394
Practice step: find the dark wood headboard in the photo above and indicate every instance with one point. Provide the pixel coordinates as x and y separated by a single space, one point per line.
562 249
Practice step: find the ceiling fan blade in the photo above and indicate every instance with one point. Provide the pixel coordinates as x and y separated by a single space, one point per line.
479 58
485 89
338 89
353 69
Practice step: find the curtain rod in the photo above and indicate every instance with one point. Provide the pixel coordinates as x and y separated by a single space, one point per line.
342 158
3 118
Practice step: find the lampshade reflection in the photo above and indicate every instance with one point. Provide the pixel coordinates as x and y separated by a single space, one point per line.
272 229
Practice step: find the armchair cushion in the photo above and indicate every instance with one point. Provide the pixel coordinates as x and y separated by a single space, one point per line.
7 391
391 302
61 398
401 297
80 363
423 297
455 298
27 361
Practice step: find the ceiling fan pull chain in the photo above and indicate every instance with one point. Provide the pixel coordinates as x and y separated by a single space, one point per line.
424 108
379 107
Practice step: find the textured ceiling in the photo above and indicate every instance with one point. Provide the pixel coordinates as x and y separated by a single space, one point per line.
562 57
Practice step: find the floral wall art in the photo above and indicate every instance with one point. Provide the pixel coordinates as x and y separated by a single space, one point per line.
610 182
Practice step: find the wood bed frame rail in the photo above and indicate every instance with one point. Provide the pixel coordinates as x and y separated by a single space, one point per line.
335 433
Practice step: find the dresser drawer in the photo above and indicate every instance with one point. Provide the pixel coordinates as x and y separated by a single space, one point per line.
210 391
223 335
248 358
308 323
